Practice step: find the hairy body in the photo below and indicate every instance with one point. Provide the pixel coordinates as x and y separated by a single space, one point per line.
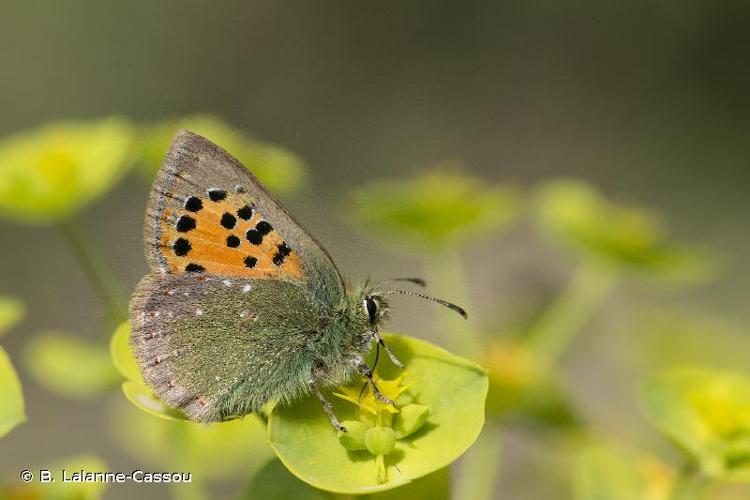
239 348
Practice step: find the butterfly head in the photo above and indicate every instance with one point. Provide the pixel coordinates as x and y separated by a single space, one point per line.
376 307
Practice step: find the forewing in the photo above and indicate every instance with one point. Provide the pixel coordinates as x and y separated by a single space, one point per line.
221 347
209 214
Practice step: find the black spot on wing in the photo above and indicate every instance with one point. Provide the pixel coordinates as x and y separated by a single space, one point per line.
254 237
263 227
194 268
193 204
282 251
185 224
181 247
245 213
216 194
251 262
228 221
233 241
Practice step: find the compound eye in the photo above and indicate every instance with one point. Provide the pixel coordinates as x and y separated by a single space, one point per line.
372 310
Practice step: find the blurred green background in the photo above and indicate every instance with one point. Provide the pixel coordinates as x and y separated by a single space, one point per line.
647 101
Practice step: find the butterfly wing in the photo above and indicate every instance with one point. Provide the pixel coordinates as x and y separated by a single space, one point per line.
220 347
238 290
209 214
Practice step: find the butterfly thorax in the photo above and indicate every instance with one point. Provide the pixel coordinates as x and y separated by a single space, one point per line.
349 336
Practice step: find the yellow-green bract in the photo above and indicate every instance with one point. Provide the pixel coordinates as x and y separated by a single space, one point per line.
453 388
69 366
439 208
11 312
49 173
11 398
581 217
707 413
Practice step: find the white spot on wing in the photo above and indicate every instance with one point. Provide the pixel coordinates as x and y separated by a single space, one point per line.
199 312
246 288
227 282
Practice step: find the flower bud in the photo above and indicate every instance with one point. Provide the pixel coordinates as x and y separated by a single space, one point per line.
354 437
410 419
380 440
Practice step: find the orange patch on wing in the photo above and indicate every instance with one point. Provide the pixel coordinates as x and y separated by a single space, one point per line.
218 240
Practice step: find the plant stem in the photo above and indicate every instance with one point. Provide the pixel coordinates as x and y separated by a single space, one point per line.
569 313
102 278
479 470
445 275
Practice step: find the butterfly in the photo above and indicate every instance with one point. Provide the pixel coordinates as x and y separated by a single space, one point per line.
241 305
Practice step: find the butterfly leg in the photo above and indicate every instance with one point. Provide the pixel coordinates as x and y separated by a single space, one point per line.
327 407
388 351
362 365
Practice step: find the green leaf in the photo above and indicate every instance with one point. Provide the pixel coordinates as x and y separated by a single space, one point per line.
69 366
274 482
438 208
11 312
280 170
49 173
122 356
210 451
453 388
579 216
706 413
604 473
143 397
11 397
